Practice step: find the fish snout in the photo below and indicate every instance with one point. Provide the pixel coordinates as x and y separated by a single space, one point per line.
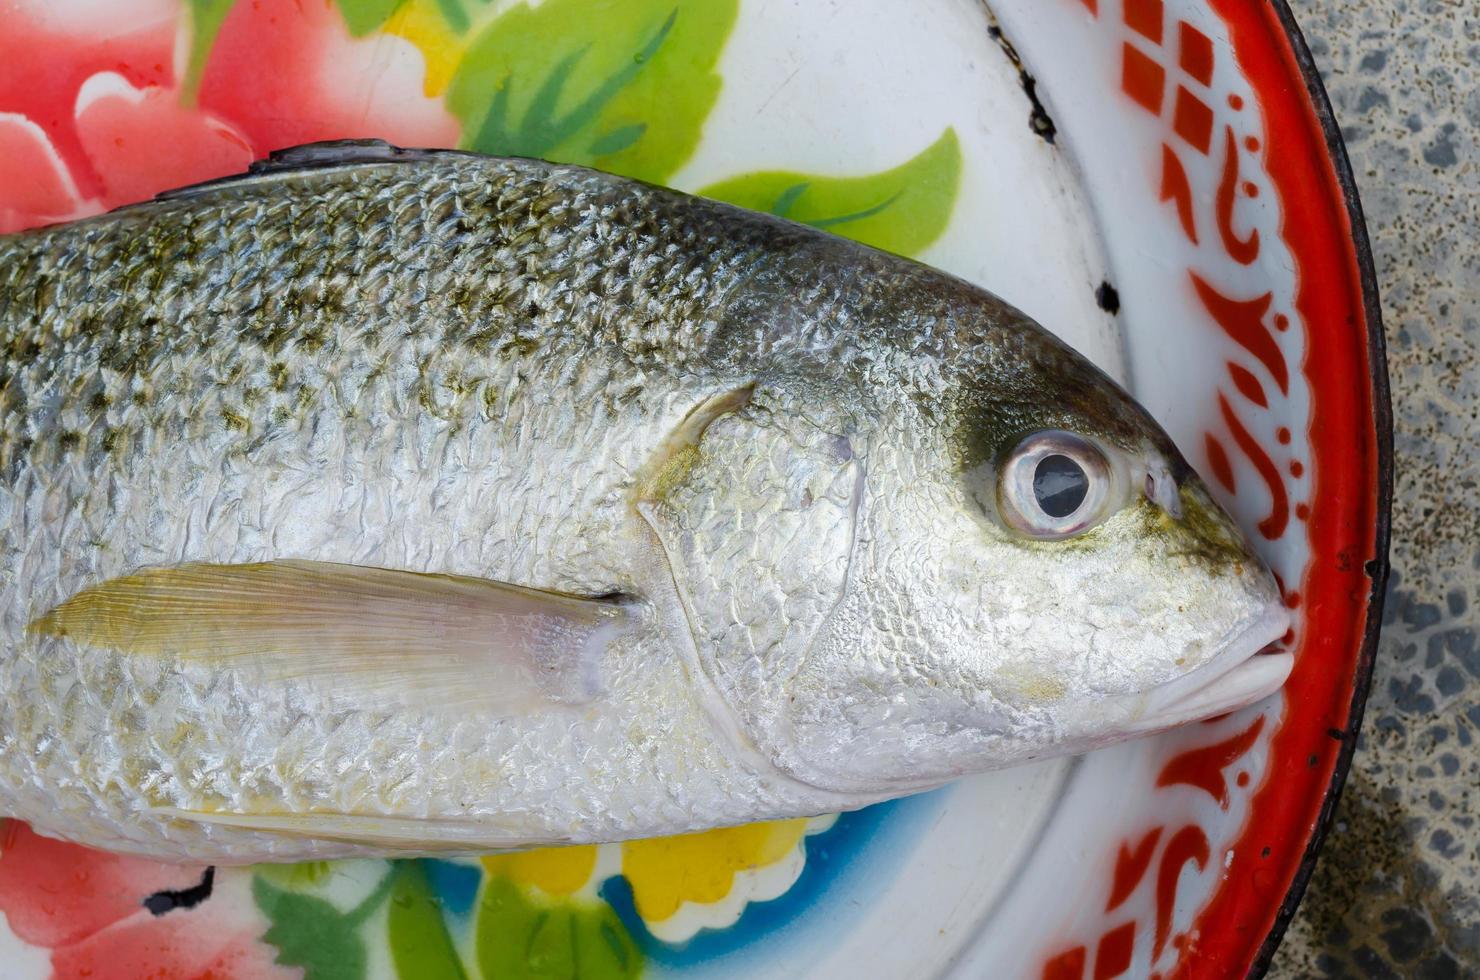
1250 666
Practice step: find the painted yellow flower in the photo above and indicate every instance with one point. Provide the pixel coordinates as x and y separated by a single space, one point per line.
559 872
696 881
679 884
423 23
666 872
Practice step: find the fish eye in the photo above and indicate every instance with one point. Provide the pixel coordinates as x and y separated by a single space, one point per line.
1059 485
1054 485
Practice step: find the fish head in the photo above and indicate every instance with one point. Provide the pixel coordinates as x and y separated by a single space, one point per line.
1039 573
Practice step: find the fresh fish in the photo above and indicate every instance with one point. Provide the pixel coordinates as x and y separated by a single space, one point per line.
398 502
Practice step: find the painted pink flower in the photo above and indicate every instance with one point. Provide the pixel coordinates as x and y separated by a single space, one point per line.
35 185
142 140
87 908
51 47
93 113
288 72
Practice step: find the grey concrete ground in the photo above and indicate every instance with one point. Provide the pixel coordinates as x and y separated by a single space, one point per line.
1397 889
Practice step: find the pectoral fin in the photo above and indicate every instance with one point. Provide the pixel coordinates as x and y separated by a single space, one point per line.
406 833
402 636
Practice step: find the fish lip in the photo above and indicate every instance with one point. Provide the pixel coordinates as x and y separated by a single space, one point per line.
1236 677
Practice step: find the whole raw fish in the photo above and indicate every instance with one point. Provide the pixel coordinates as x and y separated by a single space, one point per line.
388 501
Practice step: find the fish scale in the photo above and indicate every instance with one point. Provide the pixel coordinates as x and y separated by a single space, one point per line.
721 462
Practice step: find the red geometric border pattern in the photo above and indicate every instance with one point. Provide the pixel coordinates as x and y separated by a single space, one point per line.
1263 862
1346 517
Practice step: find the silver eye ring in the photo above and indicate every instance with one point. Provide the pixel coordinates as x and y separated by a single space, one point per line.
1055 485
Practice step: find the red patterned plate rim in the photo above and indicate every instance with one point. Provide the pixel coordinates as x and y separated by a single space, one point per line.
1280 66
1337 575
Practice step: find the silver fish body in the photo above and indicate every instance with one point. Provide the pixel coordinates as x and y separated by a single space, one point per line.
780 459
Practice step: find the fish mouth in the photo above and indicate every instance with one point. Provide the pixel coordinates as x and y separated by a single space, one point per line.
1245 671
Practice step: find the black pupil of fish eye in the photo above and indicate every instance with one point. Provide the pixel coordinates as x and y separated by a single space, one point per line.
1059 485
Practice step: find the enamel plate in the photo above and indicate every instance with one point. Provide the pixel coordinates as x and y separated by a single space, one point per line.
1159 181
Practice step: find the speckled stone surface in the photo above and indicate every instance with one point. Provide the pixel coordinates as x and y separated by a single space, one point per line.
1397 890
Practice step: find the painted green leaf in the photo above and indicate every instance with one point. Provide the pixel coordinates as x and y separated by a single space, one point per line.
364 16
519 937
623 85
901 210
311 933
206 17
416 930
456 14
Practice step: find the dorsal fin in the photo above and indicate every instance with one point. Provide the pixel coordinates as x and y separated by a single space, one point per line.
323 155
330 153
